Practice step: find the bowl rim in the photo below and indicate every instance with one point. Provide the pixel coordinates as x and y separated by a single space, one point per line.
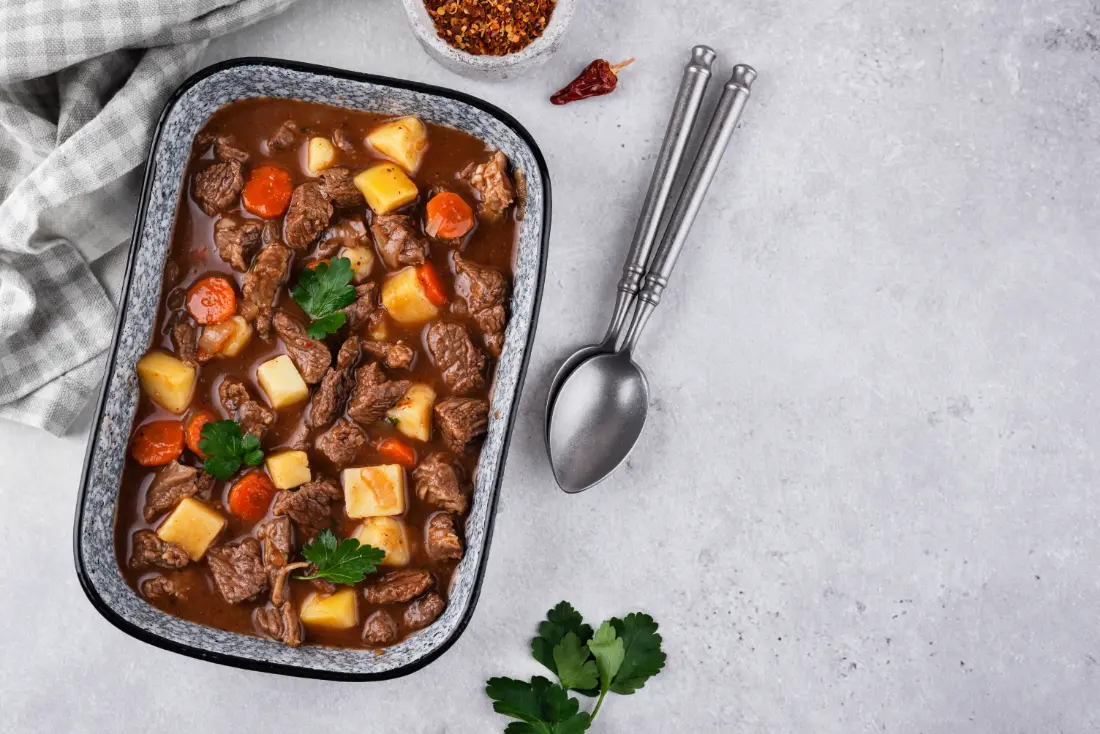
424 28
263 666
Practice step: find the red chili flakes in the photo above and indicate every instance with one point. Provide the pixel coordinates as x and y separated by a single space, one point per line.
490 27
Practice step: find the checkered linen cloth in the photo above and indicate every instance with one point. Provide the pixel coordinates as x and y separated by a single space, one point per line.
82 83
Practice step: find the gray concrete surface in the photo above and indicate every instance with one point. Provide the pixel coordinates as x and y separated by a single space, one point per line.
866 500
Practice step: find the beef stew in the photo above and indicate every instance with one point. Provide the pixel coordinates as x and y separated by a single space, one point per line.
367 429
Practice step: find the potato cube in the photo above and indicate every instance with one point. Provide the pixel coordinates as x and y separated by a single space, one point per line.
225 339
167 380
192 526
281 382
336 611
319 155
288 469
405 300
404 140
374 491
386 187
413 413
362 261
388 534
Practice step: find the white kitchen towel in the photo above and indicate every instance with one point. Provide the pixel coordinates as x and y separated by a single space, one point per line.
82 83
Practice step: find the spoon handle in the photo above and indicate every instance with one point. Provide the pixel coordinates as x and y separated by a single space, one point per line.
684 111
726 114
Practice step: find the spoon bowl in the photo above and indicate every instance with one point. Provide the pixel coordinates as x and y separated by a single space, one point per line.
597 417
566 368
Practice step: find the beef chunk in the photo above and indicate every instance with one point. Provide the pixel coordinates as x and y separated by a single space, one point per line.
396 356
399 586
310 506
185 341
424 611
261 285
254 417
486 290
339 187
237 241
310 211
311 357
329 399
493 186
380 629
274 535
349 232
238 570
399 241
374 394
456 357
284 137
172 483
439 482
342 140
461 420
226 150
162 588
150 550
341 443
216 187
359 312
442 540
280 623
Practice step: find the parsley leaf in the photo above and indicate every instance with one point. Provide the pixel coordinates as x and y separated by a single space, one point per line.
345 562
642 655
542 706
576 669
228 449
326 325
619 658
608 650
322 291
560 621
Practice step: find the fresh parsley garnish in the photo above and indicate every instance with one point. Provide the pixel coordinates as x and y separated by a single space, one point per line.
341 562
618 658
392 421
542 706
322 291
228 449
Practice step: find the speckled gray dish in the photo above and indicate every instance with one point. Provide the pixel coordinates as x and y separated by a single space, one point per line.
489 68
184 115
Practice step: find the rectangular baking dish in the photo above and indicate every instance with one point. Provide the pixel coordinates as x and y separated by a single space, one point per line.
94 532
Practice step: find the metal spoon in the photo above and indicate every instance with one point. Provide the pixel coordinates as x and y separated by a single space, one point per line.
689 98
600 408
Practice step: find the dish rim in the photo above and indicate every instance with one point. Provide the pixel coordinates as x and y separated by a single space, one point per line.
86 584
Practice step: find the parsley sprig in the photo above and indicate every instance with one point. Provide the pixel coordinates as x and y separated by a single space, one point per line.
619 657
322 291
341 562
227 449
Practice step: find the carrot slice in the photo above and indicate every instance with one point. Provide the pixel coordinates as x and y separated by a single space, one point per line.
448 215
398 452
211 300
433 289
312 264
250 497
194 430
267 193
157 443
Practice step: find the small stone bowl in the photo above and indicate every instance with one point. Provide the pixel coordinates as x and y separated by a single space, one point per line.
489 68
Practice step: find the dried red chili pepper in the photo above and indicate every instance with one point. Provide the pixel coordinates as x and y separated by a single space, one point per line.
598 78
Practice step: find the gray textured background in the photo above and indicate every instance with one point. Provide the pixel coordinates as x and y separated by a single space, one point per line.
865 501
